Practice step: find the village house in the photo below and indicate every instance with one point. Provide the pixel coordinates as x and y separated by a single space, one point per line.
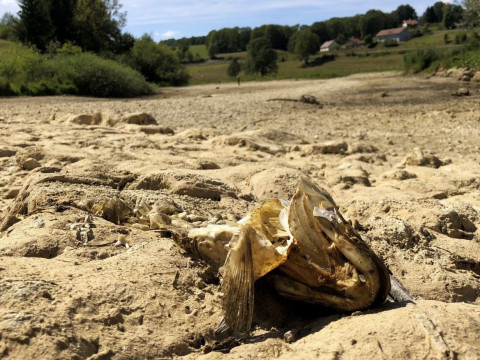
410 23
398 34
353 42
329 46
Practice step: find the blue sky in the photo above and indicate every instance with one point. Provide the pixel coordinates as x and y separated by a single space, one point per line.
173 18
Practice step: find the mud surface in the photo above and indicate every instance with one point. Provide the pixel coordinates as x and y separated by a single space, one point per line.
84 274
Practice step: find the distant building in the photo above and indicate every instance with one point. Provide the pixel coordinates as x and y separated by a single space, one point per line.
353 42
410 23
398 34
329 46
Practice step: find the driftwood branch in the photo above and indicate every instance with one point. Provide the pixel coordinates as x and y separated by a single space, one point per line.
306 99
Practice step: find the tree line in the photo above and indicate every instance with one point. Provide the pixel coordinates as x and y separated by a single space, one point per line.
363 26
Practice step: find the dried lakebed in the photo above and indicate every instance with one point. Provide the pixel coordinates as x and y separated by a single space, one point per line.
400 156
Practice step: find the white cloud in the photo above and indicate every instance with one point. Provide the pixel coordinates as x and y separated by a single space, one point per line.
169 34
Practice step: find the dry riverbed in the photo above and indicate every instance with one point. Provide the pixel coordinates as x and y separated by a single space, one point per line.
82 275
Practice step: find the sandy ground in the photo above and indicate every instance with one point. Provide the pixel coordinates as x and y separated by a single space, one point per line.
400 156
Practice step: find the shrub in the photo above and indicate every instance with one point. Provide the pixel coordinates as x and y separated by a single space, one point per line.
234 68
26 72
45 88
6 88
390 43
157 62
95 76
420 60
460 38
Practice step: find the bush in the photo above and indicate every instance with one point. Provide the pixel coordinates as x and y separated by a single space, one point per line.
460 38
420 60
6 88
26 72
390 43
234 68
157 62
416 33
94 76
45 88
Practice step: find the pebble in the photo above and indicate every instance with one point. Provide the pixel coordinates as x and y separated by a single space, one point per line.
290 336
30 164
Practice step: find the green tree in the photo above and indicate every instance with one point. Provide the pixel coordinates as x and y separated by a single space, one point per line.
320 29
61 15
98 24
335 26
261 58
448 17
35 25
307 43
227 40
438 10
471 15
8 24
157 62
374 21
404 12
278 35
234 68
189 56
428 16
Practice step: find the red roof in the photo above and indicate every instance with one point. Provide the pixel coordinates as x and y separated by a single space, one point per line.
410 22
356 41
327 44
395 31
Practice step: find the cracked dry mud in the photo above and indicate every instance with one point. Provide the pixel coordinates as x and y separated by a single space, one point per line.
96 196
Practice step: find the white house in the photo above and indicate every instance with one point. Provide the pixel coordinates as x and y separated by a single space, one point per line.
329 46
398 34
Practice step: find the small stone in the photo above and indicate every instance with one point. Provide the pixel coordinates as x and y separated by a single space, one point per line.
208 165
419 158
461 92
151 130
140 119
290 336
30 164
7 153
247 197
207 349
82 119
328 147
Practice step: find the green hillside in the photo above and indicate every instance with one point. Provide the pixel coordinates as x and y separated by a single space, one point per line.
5 44
201 50
346 62
216 71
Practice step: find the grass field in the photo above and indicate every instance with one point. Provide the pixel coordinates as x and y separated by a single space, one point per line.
201 50
364 60
5 44
292 69
433 40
